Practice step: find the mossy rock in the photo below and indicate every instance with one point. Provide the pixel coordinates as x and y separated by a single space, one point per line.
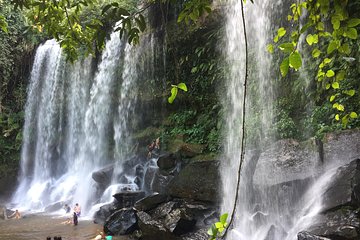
186 149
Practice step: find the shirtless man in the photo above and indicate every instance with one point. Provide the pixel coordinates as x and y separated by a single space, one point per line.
77 209
15 215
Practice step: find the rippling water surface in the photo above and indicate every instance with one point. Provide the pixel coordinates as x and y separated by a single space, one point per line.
40 227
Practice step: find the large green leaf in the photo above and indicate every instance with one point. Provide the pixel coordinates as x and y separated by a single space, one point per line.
353 115
182 86
340 75
335 85
281 32
311 39
223 218
333 45
286 47
330 73
316 53
174 91
353 22
295 60
351 33
284 67
270 48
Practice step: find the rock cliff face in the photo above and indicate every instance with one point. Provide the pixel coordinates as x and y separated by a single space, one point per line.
187 203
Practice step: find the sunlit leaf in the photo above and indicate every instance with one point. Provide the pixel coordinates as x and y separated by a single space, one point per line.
182 86
350 92
223 218
295 60
332 98
316 53
286 47
337 117
335 85
281 32
353 115
174 92
270 48
330 73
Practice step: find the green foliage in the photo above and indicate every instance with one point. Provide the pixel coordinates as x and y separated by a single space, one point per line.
69 22
200 128
174 91
193 10
285 126
218 228
339 41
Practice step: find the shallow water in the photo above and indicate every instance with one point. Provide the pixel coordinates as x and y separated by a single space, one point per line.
37 227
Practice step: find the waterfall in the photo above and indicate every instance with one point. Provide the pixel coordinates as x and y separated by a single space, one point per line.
260 102
265 211
71 128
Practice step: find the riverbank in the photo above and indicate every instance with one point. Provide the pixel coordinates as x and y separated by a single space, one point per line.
38 227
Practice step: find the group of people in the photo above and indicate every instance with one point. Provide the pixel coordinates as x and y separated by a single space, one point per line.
76 214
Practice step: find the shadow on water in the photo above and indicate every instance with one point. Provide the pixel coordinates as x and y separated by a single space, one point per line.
37 227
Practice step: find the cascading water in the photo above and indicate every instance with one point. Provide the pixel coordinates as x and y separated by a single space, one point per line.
70 125
265 211
258 30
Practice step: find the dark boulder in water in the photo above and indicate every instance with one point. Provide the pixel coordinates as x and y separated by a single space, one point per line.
104 212
121 222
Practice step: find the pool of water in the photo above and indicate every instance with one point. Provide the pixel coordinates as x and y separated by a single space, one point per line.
39 227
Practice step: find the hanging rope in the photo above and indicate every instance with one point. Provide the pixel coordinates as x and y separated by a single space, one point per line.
232 216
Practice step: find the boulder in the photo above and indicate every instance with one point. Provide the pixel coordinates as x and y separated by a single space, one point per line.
310 236
200 234
179 222
285 161
104 212
153 229
103 176
128 198
167 161
161 181
343 223
121 222
150 202
198 180
341 147
345 187
191 149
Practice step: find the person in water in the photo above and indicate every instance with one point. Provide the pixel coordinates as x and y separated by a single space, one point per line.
15 215
75 219
77 209
67 208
